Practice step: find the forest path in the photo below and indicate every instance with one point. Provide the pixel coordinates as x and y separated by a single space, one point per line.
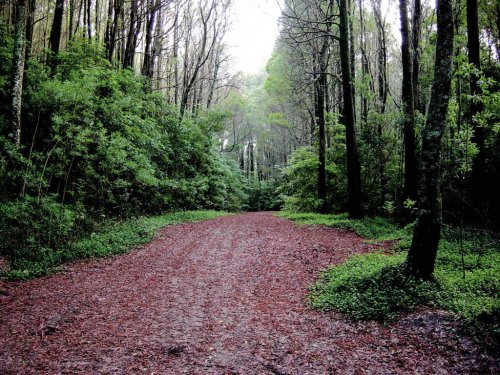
216 297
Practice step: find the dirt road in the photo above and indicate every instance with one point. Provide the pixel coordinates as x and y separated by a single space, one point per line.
225 296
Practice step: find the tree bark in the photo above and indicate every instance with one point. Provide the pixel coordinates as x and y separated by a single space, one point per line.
410 189
89 19
478 180
110 47
353 166
147 67
320 86
128 58
421 258
109 20
352 56
56 30
417 14
18 69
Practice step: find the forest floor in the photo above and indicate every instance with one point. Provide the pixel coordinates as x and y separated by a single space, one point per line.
224 296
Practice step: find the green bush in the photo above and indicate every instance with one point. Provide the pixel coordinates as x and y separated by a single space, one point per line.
300 181
263 195
31 228
376 228
374 286
111 238
99 147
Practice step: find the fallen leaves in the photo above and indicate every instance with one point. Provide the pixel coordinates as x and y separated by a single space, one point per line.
225 296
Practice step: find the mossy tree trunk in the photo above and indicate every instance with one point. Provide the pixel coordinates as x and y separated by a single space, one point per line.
18 69
422 255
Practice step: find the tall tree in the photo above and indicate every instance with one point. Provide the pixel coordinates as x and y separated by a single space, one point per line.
128 58
416 26
353 166
147 66
382 91
320 87
410 172
111 42
421 258
56 30
478 180
18 68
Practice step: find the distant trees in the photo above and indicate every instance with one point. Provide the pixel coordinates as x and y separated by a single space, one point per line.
177 44
388 90
309 31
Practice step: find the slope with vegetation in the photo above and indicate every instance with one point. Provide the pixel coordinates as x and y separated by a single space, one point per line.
89 147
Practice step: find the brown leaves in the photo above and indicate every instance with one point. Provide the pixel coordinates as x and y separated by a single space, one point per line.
225 296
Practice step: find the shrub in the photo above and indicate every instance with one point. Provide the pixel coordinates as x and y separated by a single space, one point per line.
32 228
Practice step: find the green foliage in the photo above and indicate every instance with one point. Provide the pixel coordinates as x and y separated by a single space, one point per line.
263 195
97 144
111 238
374 286
376 228
300 181
371 286
30 228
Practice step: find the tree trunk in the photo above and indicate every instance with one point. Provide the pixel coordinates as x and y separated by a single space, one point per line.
352 54
364 66
30 23
71 19
251 159
89 19
97 20
417 12
55 31
422 255
411 178
114 28
147 67
478 180
353 166
382 95
107 32
320 86
18 69
128 58
381 59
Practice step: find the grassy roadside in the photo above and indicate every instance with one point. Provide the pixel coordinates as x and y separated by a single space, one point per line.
373 286
112 238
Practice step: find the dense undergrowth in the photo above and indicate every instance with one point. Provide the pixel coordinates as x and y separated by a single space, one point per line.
97 147
111 238
374 286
